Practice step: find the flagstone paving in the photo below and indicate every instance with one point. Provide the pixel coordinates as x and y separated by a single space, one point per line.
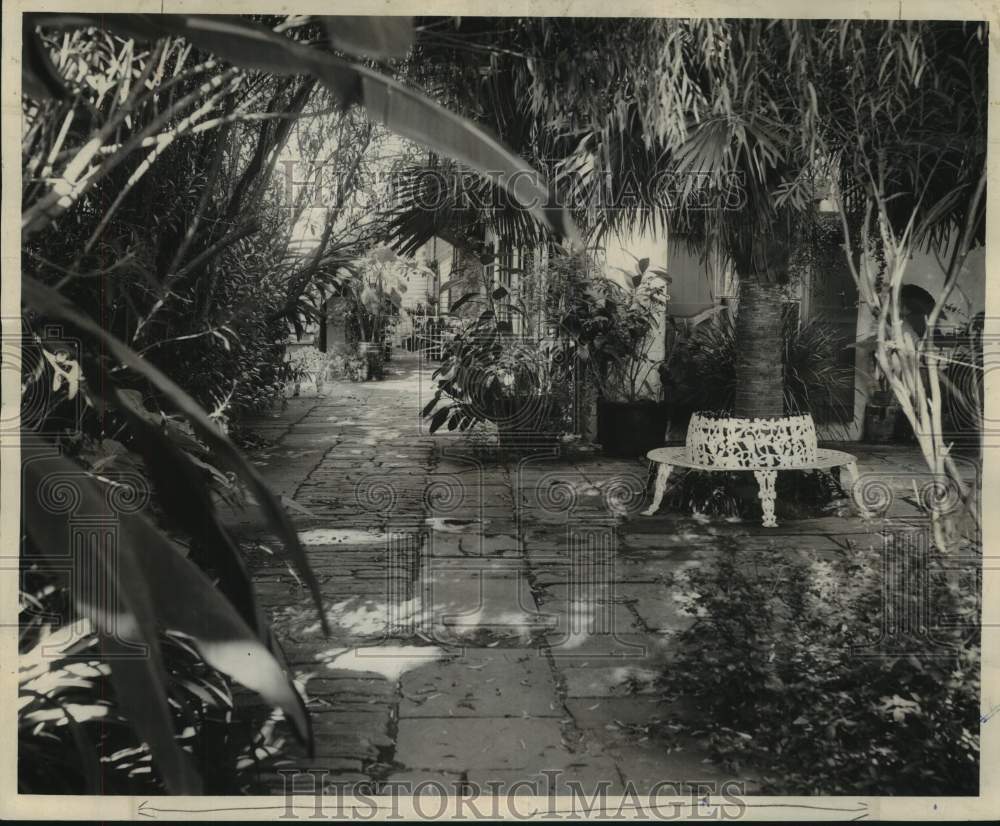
490 621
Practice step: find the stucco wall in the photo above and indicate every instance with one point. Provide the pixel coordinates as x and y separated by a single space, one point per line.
924 271
694 286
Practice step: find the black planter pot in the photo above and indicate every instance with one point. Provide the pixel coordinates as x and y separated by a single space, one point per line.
517 440
882 415
630 429
523 424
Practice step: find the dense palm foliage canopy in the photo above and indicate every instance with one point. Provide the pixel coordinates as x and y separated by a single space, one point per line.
724 132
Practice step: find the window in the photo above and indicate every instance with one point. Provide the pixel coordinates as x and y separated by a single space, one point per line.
508 261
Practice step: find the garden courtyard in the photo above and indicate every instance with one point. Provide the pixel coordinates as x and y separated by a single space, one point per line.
494 620
502 404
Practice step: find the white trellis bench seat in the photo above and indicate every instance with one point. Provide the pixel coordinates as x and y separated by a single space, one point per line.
668 458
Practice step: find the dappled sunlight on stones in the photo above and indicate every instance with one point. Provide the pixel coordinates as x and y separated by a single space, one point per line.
482 683
337 536
452 525
388 661
474 614
370 618
583 648
613 681
582 615
486 606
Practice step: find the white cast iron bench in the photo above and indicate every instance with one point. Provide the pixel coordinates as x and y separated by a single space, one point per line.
668 458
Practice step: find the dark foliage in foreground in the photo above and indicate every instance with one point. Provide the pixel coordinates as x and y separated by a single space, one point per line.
159 281
784 663
801 494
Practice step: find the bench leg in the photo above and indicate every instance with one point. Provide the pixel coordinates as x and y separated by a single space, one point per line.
765 489
855 491
660 486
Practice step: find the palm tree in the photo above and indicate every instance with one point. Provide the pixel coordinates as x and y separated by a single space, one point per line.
723 133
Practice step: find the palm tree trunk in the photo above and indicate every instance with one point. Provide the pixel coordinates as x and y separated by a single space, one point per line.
759 350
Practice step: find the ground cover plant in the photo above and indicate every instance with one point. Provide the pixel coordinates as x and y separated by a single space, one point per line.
798 684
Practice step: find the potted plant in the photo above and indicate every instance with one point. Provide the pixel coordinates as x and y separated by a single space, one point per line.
614 326
882 411
375 285
309 365
490 375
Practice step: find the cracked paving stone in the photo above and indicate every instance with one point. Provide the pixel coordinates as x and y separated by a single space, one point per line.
504 672
610 681
587 776
458 744
490 683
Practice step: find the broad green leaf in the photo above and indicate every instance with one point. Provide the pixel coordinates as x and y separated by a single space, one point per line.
379 37
439 418
125 614
184 496
52 304
39 78
430 405
465 299
403 110
225 641
156 584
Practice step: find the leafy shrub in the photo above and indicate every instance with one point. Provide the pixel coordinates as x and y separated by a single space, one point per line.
490 375
704 367
769 662
612 326
374 286
602 333
800 494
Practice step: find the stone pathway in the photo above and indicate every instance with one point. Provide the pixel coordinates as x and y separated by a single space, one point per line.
491 622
